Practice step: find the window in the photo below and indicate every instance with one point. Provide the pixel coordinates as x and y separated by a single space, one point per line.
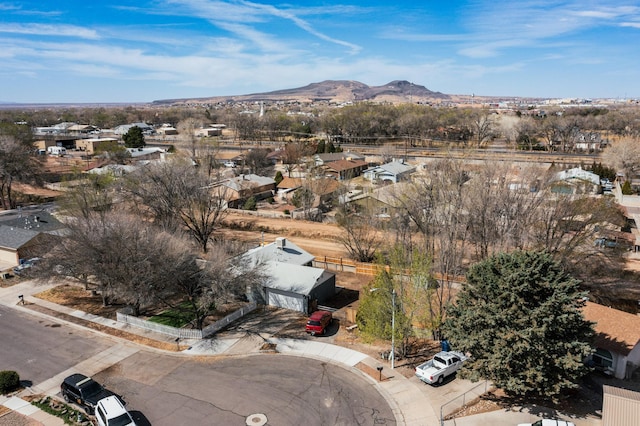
602 359
103 418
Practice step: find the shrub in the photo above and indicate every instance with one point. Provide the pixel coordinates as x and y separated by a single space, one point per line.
250 204
9 381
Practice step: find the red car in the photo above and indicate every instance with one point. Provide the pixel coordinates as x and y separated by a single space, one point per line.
318 322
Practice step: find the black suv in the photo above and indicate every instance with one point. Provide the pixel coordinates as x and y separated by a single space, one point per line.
84 391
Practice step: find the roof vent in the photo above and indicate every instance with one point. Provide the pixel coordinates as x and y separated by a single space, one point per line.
281 242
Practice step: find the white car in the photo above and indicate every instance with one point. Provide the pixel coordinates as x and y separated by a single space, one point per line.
111 412
548 422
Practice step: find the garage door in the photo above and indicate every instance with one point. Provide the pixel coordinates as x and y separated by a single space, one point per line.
295 303
8 257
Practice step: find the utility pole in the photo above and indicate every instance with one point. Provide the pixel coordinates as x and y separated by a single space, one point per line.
393 327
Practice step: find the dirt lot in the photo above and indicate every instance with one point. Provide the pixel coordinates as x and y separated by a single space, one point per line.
319 239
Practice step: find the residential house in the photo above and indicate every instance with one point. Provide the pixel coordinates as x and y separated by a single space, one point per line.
287 187
91 145
382 201
291 282
208 131
345 169
617 341
166 129
277 156
21 236
81 129
576 181
326 158
241 188
394 171
124 128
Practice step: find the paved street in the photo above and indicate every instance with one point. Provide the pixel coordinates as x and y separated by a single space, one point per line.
38 348
172 390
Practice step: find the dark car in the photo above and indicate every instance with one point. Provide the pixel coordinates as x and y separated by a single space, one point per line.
84 391
318 322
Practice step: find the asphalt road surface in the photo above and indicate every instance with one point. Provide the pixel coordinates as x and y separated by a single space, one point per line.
39 349
175 390
169 389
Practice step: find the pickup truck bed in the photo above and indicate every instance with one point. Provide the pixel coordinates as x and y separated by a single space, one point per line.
441 366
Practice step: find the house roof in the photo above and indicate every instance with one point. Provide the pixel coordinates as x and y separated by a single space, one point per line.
249 181
289 182
578 173
335 156
393 167
294 278
40 221
616 331
13 238
281 250
342 165
324 186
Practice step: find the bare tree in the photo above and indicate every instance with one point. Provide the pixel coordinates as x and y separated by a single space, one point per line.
87 195
499 207
17 164
187 129
256 162
180 196
361 235
436 205
624 156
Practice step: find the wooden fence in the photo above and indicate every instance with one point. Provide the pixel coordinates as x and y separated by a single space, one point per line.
340 264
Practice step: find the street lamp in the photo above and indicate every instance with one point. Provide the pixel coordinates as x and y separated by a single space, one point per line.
393 326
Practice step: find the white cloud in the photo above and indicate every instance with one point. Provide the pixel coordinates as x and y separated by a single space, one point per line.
49 30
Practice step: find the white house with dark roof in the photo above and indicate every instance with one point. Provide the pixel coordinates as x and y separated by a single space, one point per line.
292 283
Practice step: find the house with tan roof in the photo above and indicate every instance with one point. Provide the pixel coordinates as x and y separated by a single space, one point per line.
345 169
617 340
287 187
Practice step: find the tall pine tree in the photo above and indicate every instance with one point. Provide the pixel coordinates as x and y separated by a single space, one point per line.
519 317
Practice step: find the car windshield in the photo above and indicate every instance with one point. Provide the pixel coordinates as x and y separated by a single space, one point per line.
122 420
91 388
310 322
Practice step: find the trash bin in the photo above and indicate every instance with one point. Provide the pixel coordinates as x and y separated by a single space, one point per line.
444 343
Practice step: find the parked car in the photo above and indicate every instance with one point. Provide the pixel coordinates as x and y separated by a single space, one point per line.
442 365
318 322
230 164
84 391
25 265
548 422
110 411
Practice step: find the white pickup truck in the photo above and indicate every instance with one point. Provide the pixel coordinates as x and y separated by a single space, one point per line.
442 365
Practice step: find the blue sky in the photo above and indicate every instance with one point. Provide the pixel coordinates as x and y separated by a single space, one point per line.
144 50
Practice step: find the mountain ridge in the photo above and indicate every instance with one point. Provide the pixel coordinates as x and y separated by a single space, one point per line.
334 91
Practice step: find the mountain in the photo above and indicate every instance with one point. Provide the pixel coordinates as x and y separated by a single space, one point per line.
335 91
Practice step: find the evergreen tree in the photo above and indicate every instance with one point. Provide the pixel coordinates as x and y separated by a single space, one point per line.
626 188
279 178
519 317
134 138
